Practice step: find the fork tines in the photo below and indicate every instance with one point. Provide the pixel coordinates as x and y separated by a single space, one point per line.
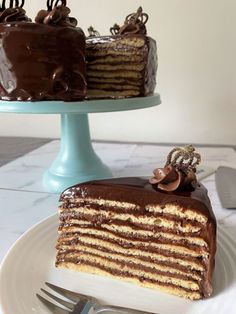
79 302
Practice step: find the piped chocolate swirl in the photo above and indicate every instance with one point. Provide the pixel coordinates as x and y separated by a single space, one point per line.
130 229
14 12
179 171
56 14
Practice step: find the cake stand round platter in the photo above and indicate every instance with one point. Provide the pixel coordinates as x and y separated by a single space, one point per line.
77 161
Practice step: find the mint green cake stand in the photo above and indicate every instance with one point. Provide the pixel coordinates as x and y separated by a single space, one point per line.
76 162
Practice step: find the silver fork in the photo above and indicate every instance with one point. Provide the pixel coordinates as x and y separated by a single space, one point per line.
80 303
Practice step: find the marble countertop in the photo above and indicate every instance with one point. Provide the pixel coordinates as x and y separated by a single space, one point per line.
15 147
24 201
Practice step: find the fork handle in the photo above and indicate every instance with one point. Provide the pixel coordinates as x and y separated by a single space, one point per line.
118 310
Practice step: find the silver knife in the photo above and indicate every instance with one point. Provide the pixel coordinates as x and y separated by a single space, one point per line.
226 186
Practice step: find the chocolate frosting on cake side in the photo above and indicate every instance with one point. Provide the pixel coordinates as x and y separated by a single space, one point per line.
41 62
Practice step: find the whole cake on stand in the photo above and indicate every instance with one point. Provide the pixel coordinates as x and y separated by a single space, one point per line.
43 71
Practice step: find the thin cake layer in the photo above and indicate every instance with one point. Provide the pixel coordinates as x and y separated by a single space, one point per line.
112 60
129 229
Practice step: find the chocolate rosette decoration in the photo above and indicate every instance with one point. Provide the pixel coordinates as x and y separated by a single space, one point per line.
13 11
135 23
56 14
179 170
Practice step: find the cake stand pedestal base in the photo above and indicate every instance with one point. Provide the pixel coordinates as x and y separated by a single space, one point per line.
76 162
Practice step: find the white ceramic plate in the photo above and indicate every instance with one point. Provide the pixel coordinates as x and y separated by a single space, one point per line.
30 263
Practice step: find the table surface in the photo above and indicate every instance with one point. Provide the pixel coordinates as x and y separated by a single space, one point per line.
14 147
24 201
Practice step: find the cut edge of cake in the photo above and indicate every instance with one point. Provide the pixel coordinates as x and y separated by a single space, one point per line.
131 229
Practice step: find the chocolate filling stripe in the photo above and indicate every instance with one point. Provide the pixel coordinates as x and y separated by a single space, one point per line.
119 245
116 66
111 91
156 238
151 236
115 74
107 49
120 47
121 273
133 263
192 264
160 225
163 261
118 225
93 80
182 281
109 60
78 212
117 44
195 252
112 53
114 86
72 208
137 235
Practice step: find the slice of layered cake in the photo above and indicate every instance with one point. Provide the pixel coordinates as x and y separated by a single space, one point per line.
159 233
123 64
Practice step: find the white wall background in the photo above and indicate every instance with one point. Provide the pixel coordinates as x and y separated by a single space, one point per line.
196 76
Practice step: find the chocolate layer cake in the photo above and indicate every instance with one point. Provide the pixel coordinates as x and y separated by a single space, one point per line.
159 233
42 60
123 64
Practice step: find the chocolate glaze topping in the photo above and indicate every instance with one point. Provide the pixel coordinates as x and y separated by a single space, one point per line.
35 65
